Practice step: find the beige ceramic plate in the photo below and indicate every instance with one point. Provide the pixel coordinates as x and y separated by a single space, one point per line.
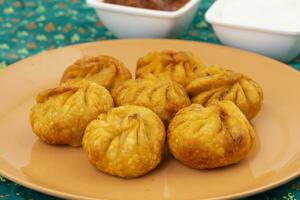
66 172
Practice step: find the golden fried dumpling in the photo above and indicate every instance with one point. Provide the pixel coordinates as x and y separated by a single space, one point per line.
221 84
104 70
127 141
61 114
210 137
160 94
182 67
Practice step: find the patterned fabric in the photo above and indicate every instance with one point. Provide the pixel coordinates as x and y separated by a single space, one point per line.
31 26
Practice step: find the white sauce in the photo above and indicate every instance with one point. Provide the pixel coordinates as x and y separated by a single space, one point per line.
270 14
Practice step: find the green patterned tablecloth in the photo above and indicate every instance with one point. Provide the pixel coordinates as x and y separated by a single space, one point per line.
31 26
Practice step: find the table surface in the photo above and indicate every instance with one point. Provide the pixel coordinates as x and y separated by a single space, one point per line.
31 26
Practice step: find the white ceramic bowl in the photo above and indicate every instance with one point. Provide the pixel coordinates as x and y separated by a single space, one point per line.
130 22
279 44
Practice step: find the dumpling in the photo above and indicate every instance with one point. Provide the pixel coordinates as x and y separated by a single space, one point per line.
127 141
210 137
160 94
221 84
104 70
61 114
182 67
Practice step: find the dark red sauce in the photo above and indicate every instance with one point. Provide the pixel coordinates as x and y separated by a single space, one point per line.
165 5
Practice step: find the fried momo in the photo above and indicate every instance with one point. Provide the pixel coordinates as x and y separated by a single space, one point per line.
61 114
221 84
160 94
182 67
127 141
210 137
104 70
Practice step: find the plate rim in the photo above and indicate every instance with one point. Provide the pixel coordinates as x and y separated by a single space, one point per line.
58 193
61 194
8 67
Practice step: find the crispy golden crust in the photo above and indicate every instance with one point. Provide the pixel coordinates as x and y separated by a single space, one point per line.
221 84
160 94
128 141
61 114
210 137
182 67
104 70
